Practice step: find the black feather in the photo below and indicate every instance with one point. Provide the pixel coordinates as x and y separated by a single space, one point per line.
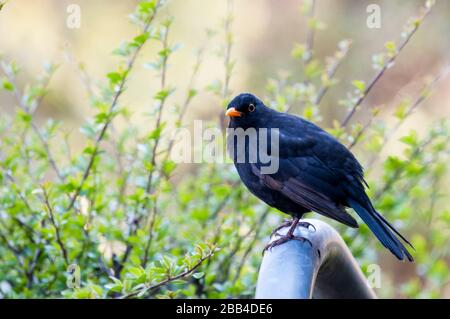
316 172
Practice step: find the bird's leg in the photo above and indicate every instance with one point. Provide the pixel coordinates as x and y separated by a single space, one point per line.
291 230
290 235
288 223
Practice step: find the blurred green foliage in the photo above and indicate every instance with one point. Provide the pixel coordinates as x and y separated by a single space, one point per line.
113 210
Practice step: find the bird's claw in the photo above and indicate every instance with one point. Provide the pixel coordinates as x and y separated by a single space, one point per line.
307 225
284 239
286 223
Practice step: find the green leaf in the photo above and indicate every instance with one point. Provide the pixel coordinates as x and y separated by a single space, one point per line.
359 85
114 77
140 39
89 150
168 167
401 110
8 85
24 116
162 95
136 272
156 133
313 69
198 275
298 51
391 48
410 139
83 293
147 7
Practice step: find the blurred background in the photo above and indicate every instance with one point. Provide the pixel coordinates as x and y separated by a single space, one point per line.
34 33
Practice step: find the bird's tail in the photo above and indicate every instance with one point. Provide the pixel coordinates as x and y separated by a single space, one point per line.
382 229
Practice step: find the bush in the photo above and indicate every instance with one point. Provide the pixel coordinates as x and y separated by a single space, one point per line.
110 221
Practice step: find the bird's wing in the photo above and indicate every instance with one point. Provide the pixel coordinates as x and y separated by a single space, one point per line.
306 182
317 143
336 157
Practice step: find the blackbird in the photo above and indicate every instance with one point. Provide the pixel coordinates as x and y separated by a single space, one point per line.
315 172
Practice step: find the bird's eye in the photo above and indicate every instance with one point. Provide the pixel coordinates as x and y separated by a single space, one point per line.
251 107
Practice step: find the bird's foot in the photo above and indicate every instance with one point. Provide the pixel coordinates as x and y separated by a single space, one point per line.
284 239
288 223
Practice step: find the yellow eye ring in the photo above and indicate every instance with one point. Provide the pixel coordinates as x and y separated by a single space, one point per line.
251 107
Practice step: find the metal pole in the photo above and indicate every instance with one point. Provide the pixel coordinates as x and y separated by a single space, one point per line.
295 270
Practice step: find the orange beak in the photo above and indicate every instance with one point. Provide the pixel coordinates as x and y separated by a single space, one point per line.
232 112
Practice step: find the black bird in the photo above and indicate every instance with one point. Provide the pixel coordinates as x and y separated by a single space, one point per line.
315 172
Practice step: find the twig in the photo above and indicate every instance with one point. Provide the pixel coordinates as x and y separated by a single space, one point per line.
82 73
22 105
29 273
149 190
225 266
361 132
150 233
227 62
397 173
344 47
185 273
14 250
425 93
224 202
228 47
188 98
179 120
112 107
310 34
251 245
32 268
56 227
386 65
159 115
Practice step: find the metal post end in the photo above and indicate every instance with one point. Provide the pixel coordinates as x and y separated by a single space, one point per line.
319 267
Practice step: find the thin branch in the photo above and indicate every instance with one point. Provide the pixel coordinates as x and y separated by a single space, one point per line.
45 84
14 250
32 268
425 93
55 226
188 98
310 33
398 172
251 245
227 62
228 47
361 132
150 233
228 260
338 58
159 115
82 73
23 107
168 280
422 97
388 64
309 45
120 90
224 202
179 120
30 232
149 190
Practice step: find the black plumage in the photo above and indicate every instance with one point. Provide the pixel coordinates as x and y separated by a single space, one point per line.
316 172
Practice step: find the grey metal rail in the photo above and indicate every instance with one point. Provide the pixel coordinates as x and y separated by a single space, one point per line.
295 270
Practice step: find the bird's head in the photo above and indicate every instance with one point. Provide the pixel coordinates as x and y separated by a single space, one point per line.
245 110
